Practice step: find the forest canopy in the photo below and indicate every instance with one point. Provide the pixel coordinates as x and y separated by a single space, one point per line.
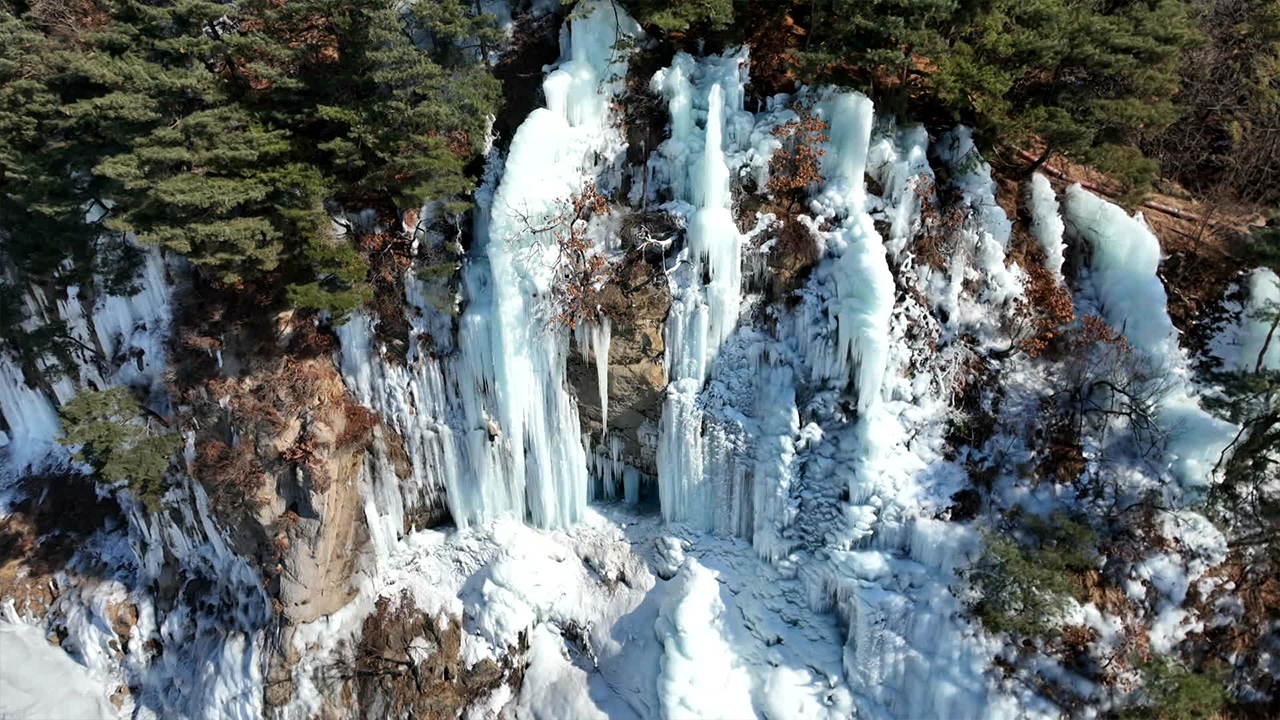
230 133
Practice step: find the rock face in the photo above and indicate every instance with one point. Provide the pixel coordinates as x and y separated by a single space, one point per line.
636 302
324 541
279 448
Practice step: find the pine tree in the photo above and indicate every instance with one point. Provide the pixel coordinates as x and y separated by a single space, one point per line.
875 44
1089 78
229 134
389 123
680 15
1024 587
207 187
1175 693
118 445
50 202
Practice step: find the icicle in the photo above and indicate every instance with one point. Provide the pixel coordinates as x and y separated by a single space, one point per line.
1264 294
1046 224
601 334
30 415
631 485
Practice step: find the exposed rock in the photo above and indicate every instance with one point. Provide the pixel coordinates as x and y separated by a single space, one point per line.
408 664
280 449
277 688
40 536
324 545
123 616
121 696
637 302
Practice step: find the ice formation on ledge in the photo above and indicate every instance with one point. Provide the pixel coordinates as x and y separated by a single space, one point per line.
1264 295
899 161
701 678
1125 256
818 438
1046 223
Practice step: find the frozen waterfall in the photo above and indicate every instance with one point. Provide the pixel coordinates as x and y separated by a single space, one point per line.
1122 275
492 426
707 284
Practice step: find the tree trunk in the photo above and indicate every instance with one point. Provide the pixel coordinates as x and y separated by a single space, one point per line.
1262 354
1039 162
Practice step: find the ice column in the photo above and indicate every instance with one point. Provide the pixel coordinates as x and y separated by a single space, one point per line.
701 674
490 423
1046 224
1264 295
864 290
553 154
707 286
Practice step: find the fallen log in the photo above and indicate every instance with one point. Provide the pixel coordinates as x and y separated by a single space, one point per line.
1094 187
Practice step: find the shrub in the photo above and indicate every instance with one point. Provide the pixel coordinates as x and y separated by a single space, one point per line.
795 165
1176 693
119 445
1024 588
233 474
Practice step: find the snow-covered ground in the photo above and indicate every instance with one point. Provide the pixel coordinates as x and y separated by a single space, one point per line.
42 681
723 636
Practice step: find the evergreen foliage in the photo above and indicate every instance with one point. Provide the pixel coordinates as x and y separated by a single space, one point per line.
1023 587
50 203
680 15
117 444
1176 693
1087 77
228 134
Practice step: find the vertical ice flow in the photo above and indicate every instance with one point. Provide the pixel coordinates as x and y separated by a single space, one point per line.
1046 223
864 288
1125 256
1264 296
552 155
491 424
707 285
